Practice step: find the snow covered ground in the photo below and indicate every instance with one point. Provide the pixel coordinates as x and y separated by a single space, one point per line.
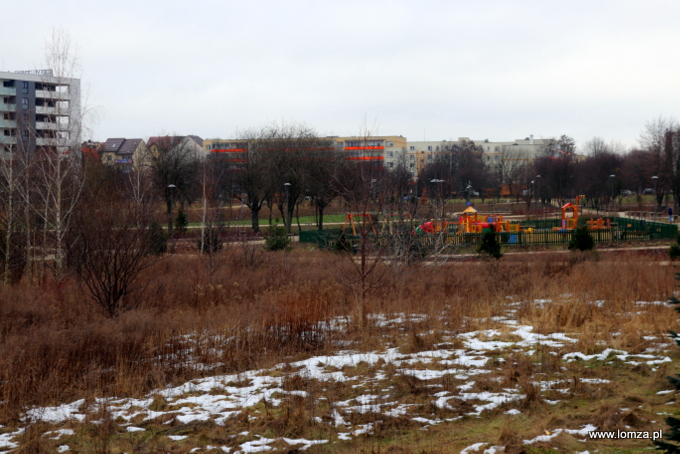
350 394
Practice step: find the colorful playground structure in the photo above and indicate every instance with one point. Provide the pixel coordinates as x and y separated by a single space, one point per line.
471 221
570 214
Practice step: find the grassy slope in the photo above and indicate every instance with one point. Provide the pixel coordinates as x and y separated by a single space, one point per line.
61 350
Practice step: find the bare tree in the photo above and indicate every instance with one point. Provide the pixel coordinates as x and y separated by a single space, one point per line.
173 167
251 175
511 168
56 161
322 187
657 140
13 251
112 244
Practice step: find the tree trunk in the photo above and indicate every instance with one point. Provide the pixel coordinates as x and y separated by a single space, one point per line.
255 218
320 220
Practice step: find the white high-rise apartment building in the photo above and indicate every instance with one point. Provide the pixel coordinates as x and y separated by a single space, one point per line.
38 111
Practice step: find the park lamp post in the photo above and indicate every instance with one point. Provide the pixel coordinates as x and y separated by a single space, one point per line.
655 178
171 189
612 177
439 192
533 191
287 220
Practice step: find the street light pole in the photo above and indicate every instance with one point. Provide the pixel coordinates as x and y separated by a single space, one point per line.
538 183
439 194
288 218
612 198
655 178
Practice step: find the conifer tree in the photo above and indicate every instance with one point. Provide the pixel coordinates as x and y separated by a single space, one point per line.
490 245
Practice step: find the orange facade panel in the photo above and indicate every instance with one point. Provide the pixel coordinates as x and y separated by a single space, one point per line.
364 158
380 147
229 150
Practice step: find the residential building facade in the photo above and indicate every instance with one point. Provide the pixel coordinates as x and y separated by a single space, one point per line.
123 153
39 110
381 150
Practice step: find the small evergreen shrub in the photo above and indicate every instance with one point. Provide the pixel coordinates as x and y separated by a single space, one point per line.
581 239
181 222
674 251
490 245
277 239
342 243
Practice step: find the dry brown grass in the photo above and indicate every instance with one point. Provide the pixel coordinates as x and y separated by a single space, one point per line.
56 346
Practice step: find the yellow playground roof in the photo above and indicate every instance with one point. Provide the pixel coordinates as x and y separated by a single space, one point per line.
470 210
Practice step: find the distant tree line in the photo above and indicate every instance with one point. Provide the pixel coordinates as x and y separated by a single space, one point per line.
598 170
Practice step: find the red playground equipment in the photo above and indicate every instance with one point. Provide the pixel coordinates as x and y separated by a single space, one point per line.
570 213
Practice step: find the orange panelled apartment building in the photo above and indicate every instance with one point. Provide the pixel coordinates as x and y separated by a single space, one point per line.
385 150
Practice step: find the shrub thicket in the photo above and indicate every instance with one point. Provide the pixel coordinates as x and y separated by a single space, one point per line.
211 241
158 239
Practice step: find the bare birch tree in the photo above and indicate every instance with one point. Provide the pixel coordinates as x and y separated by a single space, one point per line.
56 160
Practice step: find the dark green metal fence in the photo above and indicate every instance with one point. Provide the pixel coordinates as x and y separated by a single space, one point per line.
543 233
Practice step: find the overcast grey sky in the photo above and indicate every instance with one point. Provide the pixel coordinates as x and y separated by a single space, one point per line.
429 70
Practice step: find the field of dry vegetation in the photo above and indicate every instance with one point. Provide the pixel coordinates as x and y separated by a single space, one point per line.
246 353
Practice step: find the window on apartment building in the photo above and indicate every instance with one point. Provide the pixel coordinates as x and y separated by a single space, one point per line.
390 154
24 87
429 148
412 148
496 149
411 165
390 165
488 148
390 144
429 157
24 134
24 103
412 157
7 132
